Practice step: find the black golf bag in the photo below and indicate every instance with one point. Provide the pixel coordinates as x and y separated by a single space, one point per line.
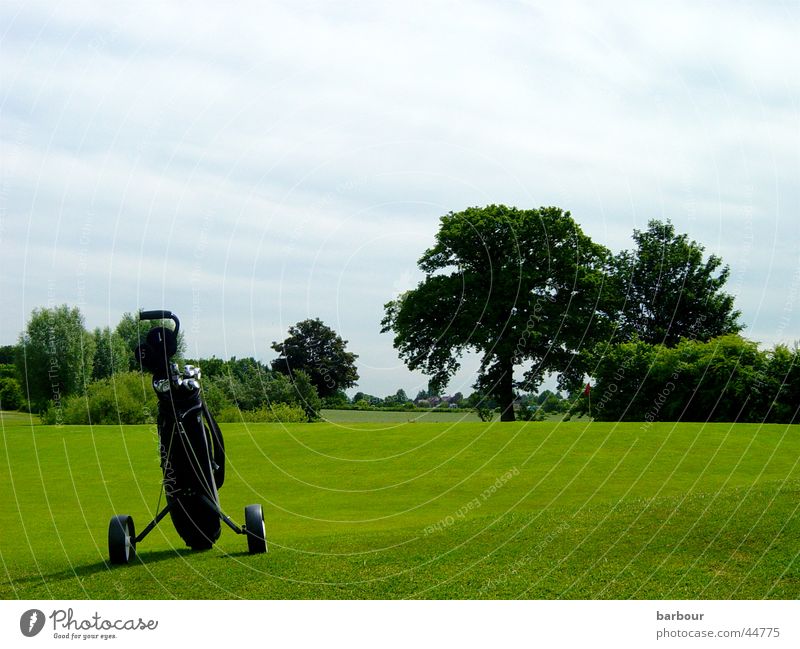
192 455
192 463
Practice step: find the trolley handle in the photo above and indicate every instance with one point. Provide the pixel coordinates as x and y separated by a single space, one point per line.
157 314
161 314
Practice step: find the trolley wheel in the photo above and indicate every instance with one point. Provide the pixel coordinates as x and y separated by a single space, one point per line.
254 528
121 539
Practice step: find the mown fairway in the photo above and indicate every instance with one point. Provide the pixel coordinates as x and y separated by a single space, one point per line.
426 510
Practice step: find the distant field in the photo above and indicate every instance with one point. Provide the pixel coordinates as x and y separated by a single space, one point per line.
412 416
420 510
12 418
388 416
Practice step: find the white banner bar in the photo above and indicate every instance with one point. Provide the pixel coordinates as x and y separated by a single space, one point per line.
402 624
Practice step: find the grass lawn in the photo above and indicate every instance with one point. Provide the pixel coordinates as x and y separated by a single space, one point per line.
419 510
13 418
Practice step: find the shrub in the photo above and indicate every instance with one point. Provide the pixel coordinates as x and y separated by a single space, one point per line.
127 398
724 379
216 393
249 387
11 397
8 371
783 370
526 413
305 395
124 398
278 412
337 400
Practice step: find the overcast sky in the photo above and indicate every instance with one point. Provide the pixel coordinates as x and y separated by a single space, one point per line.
252 166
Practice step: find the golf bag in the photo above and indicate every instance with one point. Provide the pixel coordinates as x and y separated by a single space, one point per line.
190 442
192 456
192 464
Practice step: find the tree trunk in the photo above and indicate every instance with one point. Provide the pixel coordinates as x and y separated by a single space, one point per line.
505 394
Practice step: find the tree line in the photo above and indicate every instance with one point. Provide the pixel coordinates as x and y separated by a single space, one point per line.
76 376
651 329
71 375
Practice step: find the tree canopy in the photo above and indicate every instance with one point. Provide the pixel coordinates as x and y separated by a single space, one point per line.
112 355
8 354
55 355
321 353
668 291
514 285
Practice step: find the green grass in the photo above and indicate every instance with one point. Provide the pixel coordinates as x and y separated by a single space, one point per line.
383 511
14 418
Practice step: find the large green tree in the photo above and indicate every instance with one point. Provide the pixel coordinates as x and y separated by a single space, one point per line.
111 355
55 355
321 353
668 291
514 285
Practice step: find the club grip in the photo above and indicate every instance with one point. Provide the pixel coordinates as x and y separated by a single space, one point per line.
156 315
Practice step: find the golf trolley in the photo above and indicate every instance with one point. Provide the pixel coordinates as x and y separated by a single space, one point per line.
192 456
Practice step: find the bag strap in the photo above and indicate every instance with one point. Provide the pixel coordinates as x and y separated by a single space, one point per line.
218 444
